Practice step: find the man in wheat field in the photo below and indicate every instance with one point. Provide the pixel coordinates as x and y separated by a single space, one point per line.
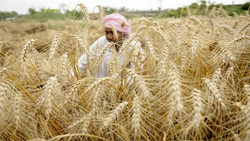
118 30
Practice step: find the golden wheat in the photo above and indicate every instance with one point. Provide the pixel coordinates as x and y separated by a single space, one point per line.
188 81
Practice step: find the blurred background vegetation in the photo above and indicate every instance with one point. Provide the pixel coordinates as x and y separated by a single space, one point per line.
203 8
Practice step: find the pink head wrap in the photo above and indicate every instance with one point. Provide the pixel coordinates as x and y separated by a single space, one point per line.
119 22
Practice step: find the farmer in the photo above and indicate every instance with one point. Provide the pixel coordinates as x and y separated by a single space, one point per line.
123 28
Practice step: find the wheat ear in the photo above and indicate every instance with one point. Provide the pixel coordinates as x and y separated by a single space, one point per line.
17 109
51 87
39 71
140 83
245 27
64 66
195 20
183 60
136 117
95 101
24 53
114 114
217 76
86 15
1 45
82 43
87 121
175 91
195 43
2 71
188 11
163 63
2 93
101 11
145 20
235 14
54 45
101 80
102 53
238 40
75 88
215 91
228 29
179 34
228 56
198 109
247 109
150 47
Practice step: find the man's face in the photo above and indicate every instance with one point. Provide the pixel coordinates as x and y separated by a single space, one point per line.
110 36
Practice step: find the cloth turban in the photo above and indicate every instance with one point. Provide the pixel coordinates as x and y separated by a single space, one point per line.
119 22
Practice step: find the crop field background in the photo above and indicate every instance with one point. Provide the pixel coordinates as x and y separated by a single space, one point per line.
190 83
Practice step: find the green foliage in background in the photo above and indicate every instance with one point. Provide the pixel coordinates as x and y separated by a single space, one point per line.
203 9
245 6
4 15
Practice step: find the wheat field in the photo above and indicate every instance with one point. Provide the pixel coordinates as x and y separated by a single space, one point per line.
190 83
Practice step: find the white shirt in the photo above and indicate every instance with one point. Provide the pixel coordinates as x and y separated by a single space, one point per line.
97 47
